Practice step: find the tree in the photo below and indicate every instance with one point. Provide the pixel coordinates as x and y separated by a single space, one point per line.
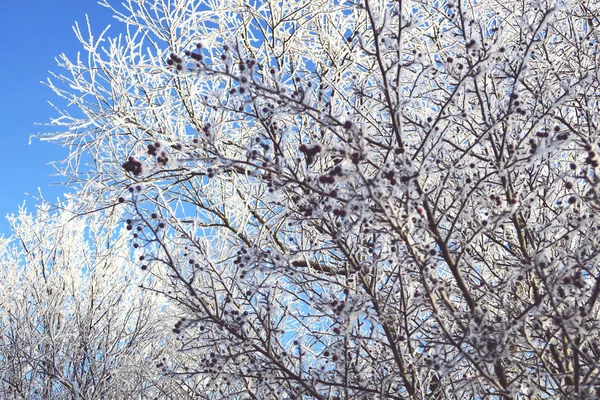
371 199
74 323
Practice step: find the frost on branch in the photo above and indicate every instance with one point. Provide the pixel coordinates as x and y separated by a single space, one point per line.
74 322
369 199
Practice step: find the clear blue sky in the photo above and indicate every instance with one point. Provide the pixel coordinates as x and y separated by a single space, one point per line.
33 33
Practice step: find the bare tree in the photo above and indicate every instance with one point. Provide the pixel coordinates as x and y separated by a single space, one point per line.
74 322
362 200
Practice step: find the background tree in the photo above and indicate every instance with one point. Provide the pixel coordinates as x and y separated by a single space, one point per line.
74 323
370 199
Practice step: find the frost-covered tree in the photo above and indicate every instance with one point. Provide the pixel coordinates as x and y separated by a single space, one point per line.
73 322
371 199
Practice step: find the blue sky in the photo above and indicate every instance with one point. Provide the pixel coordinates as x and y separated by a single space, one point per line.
33 33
